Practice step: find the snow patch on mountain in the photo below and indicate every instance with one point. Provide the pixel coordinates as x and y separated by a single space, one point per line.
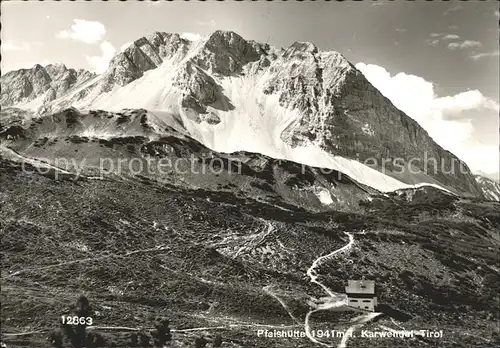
323 195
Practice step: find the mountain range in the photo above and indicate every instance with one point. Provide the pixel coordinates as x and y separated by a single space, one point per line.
225 185
231 94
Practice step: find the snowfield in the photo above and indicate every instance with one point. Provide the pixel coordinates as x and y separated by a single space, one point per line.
255 124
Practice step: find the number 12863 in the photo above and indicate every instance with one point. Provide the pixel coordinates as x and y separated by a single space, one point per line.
74 320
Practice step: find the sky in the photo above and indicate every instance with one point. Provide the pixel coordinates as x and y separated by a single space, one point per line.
437 61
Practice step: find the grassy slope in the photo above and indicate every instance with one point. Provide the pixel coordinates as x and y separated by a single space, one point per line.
432 259
200 248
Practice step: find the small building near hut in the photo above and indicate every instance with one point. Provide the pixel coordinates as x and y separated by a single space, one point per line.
361 294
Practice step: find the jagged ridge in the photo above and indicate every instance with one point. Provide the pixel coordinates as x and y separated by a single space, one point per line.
47 83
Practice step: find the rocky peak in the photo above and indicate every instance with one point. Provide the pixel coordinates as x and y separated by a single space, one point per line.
142 55
225 40
298 47
343 113
225 52
309 81
36 67
39 78
57 67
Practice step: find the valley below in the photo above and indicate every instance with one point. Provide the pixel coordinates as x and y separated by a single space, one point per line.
239 255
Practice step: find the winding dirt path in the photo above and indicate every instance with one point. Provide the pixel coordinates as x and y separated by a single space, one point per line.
335 300
256 240
268 290
15 156
311 272
33 161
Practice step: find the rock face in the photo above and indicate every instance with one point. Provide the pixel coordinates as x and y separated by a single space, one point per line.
225 84
143 55
47 83
344 114
227 53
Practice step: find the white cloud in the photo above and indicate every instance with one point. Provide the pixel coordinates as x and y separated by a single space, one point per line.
485 55
452 45
191 36
85 31
465 44
125 46
432 42
470 43
10 45
465 101
416 97
451 37
101 63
